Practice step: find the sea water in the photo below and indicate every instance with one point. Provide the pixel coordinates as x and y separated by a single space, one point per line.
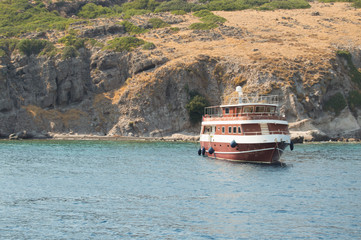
161 190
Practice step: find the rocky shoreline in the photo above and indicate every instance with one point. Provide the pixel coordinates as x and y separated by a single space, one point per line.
297 137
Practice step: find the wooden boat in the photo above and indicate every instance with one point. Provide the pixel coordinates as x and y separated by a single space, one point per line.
247 129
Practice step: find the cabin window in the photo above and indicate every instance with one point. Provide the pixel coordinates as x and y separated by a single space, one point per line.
260 109
223 129
207 129
234 129
229 129
239 130
239 110
248 109
226 110
270 109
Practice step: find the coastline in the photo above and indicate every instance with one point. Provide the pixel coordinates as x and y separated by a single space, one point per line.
297 138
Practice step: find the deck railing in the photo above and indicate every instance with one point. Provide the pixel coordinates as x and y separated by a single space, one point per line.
254 98
269 133
242 116
282 132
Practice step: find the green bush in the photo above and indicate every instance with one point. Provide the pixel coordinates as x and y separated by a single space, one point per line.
124 44
158 23
213 19
148 46
174 5
196 107
198 7
91 10
227 5
7 46
34 46
281 4
202 13
141 4
72 40
209 20
335 103
354 99
69 52
136 4
131 28
94 43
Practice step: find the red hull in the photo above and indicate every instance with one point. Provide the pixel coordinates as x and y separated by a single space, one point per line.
254 153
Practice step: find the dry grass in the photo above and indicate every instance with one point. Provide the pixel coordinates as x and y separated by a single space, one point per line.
271 35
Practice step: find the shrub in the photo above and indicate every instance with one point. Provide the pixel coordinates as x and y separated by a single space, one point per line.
213 19
198 7
202 13
335 103
226 5
209 20
289 4
148 46
94 43
158 23
131 28
69 52
141 4
174 5
196 107
72 40
7 46
124 44
91 10
136 4
34 46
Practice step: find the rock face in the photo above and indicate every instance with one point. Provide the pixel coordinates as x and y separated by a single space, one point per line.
145 92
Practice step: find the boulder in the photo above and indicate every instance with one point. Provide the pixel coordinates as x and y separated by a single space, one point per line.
298 139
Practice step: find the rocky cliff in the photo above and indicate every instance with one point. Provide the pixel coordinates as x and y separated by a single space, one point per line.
309 57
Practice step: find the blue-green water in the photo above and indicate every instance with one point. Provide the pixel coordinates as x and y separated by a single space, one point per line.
134 190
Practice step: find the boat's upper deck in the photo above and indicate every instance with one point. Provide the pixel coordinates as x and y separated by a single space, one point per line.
245 107
252 99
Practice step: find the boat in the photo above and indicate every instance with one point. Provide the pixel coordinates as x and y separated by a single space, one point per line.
249 128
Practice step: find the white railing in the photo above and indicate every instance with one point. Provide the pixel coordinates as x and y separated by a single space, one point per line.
282 132
254 98
210 113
